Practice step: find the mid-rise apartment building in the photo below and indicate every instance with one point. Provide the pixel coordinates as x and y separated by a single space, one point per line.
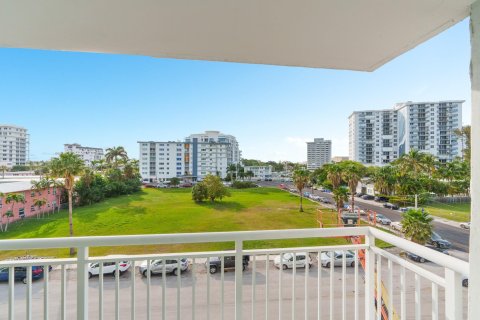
378 137
259 172
319 152
196 157
14 145
87 154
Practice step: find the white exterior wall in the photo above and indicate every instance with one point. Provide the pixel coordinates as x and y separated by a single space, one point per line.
260 172
14 145
378 137
319 152
211 158
161 161
87 154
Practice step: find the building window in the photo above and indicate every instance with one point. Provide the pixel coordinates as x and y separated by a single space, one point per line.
21 212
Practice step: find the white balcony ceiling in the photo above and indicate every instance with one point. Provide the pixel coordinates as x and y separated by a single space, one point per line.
338 34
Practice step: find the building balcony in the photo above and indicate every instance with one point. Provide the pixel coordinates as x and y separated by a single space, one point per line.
365 276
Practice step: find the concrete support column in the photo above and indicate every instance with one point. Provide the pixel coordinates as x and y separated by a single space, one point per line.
474 280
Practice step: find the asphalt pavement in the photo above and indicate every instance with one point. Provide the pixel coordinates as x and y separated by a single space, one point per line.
457 236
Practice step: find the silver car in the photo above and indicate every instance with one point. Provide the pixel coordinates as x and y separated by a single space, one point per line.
171 266
326 258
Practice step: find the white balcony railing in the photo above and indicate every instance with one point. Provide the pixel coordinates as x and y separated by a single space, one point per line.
260 292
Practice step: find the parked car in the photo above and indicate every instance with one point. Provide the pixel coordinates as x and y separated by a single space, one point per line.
382 219
389 205
325 258
156 266
381 199
306 194
368 197
405 209
21 273
315 197
301 260
229 263
108 268
186 185
420 259
396 225
437 241
465 225
359 194
324 200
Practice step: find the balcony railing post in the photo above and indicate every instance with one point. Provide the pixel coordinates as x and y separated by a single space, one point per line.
369 277
82 283
453 295
238 279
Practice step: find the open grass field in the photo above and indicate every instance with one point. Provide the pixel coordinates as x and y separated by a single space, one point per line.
154 211
453 211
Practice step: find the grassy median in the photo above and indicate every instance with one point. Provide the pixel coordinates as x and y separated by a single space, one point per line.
154 211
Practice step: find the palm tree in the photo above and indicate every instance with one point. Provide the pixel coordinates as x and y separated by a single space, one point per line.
39 203
383 178
340 196
352 173
13 198
67 166
334 174
1 218
3 168
57 186
231 170
465 134
300 180
417 225
116 154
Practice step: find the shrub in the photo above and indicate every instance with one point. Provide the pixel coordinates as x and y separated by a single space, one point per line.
243 184
199 192
215 188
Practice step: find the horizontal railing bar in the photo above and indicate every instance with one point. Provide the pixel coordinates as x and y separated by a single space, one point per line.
410 266
118 258
37 262
306 249
112 241
439 258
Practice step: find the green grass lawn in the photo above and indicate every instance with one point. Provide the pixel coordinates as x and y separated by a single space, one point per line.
453 211
154 211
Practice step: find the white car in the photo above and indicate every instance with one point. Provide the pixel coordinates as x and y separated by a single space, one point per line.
302 260
156 266
108 268
465 225
326 258
396 225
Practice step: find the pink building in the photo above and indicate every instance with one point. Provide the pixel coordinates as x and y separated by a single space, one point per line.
27 209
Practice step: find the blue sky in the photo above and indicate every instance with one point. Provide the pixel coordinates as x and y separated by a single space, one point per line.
108 100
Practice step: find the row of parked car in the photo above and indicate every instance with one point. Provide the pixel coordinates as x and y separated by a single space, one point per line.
214 264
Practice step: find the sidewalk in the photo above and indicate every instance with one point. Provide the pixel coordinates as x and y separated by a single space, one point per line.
436 219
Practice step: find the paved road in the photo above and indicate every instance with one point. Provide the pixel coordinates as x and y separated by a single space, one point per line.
213 310
457 236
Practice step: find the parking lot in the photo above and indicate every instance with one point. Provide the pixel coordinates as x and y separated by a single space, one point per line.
208 301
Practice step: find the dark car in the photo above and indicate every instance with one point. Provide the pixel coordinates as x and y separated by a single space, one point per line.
359 194
437 241
390 206
381 199
21 273
229 263
368 197
417 258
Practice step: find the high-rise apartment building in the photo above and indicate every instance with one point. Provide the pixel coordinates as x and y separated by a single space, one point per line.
87 154
319 152
199 155
377 137
14 145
